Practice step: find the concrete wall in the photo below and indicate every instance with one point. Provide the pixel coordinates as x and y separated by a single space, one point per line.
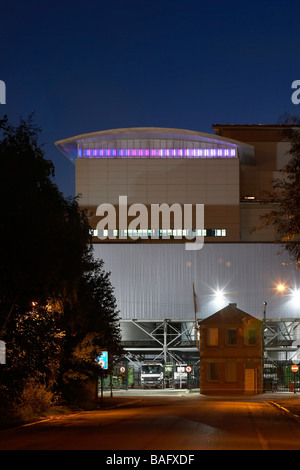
150 181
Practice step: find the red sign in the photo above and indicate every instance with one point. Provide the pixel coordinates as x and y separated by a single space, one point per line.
294 368
188 369
122 369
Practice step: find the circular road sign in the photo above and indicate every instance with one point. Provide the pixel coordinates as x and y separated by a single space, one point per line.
294 368
188 369
101 364
122 369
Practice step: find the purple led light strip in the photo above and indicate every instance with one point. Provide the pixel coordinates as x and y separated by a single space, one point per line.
169 153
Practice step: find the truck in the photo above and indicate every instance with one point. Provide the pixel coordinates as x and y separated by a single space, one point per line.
152 375
180 376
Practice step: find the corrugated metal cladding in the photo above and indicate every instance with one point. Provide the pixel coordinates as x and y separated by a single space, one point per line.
156 281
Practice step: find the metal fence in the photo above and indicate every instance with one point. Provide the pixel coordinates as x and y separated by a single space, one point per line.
125 376
279 377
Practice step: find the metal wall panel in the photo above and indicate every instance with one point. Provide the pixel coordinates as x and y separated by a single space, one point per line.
156 281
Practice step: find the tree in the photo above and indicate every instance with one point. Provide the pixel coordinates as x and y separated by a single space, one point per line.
44 236
57 309
284 198
33 349
96 312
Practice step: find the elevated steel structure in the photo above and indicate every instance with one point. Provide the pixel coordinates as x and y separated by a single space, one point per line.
175 340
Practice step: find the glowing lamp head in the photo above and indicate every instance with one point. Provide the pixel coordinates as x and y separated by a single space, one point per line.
281 288
296 294
219 295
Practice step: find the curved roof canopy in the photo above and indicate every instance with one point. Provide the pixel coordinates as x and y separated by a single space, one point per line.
113 140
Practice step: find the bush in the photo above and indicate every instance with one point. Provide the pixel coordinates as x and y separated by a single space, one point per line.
34 400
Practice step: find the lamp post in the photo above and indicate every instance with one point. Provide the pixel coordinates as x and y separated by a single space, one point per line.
263 340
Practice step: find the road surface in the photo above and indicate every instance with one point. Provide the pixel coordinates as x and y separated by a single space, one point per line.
164 423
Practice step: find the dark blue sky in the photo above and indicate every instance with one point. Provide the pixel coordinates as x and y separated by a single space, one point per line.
95 65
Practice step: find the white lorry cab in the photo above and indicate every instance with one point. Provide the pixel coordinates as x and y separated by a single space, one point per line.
152 375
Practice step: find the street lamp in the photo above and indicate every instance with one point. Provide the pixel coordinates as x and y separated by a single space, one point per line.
263 349
296 294
219 295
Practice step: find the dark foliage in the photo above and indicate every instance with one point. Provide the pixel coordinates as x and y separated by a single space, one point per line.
284 198
57 308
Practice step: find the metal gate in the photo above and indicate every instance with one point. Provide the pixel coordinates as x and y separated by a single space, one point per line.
279 377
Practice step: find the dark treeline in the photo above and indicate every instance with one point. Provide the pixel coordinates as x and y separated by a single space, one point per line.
57 306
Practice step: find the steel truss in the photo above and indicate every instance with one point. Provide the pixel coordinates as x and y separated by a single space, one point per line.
175 339
282 339
170 340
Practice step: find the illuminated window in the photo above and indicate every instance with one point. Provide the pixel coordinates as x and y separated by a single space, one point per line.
212 336
179 233
201 233
157 153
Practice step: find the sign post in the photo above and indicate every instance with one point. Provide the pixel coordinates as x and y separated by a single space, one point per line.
103 364
188 369
294 369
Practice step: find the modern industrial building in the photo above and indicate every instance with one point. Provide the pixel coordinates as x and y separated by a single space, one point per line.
165 288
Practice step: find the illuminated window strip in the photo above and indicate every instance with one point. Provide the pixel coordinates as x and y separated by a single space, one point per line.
165 153
170 232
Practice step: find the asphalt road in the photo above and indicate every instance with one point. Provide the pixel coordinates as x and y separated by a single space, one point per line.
173 423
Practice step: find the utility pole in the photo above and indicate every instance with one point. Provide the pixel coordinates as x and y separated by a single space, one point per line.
196 323
263 343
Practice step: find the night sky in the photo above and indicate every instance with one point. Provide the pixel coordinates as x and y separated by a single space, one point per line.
95 65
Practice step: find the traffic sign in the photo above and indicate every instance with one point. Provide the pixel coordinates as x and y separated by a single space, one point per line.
122 369
103 360
188 369
294 368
